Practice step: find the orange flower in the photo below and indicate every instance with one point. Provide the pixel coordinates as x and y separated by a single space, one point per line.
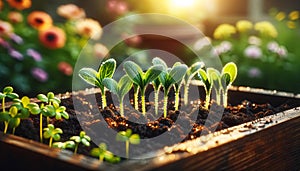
15 17
89 27
20 4
65 68
70 11
1 5
52 38
39 20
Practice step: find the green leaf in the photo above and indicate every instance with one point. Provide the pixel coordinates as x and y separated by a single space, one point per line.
107 69
214 76
89 75
159 61
2 96
60 145
152 73
57 116
49 111
76 139
25 101
24 113
4 116
12 95
8 90
70 144
50 95
111 85
177 73
13 111
134 72
204 78
124 85
65 115
134 139
193 70
226 78
128 133
231 69
85 142
14 122
121 136
42 98
56 137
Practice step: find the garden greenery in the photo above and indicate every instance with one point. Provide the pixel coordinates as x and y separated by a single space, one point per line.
128 138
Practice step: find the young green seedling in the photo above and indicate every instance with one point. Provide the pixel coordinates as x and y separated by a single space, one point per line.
168 78
229 74
156 83
95 78
82 138
120 89
142 79
52 133
7 93
128 138
190 73
177 86
207 86
102 153
215 78
64 145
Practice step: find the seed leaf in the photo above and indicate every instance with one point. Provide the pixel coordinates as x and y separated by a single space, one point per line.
134 72
230 69
106 69
134 139
89 75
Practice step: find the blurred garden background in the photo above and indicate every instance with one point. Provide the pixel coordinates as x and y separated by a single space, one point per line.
40 41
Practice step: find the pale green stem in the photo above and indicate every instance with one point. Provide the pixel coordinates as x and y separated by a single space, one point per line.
48 120
225 98
218 97
143 101
186 95
207 99
5 126
76 148
156 93
177 99
101 157
50 142
165 105
121 107
3 104
13 132
104 104
136 98
41 128
127 149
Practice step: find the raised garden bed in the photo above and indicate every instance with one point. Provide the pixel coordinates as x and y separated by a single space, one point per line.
268 142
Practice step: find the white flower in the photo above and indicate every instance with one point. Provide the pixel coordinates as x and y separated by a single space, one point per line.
273 46
253 51
70 11
222 48
253 40
282 52
201 43
89 27
100 51
5 28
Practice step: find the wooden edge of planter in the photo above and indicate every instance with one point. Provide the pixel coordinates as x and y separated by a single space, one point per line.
251 145
45 157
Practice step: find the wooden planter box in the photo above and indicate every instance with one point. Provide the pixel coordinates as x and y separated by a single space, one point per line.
269 143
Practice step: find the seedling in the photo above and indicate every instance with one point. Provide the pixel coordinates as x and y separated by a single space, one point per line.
168 78
136 89
95 78
190 73
7 93
142 79
207 86
82 138
64 145
128 138
52 133
229 74
177 86
102 153
120 89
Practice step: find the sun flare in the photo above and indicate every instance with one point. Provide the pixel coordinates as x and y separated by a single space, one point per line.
182 3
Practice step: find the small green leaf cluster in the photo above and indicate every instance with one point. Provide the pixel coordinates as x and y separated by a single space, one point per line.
128 138
103 154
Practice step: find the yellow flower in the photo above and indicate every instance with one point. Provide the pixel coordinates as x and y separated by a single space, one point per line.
244 25
224 31
20 4
5 28
266 28
280 16
53 38
15 17
70 11
291 24
39 20
89 28
294 15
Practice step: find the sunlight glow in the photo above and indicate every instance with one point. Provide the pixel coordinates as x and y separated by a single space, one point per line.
182 3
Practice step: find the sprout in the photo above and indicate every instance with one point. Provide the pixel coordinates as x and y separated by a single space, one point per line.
190 73
64 145
128 138
95 78
7 92
120 88
102 153
136 96
142 79
207 86
52 133
229 74
168 78
82 138
177 86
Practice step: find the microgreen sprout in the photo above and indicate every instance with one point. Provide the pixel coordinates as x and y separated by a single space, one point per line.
82 138
52 133
168 78
95 78
7 93
102 153
136 89
177 86
142 79
64 145
229 74
207 84
190 73
128 138
119 88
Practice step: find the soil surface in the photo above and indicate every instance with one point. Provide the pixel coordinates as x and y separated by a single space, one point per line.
102 124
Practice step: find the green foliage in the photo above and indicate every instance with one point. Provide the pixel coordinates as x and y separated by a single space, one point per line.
103 154
142 79
95 78
128 138
52 133
120 88
81 139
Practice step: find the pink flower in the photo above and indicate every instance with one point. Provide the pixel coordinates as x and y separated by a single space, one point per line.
39 74
15 54
4 43
253 51
117 7
254 72
17 39
34 54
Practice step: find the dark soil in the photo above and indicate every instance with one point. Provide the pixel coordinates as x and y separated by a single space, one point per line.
99 122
